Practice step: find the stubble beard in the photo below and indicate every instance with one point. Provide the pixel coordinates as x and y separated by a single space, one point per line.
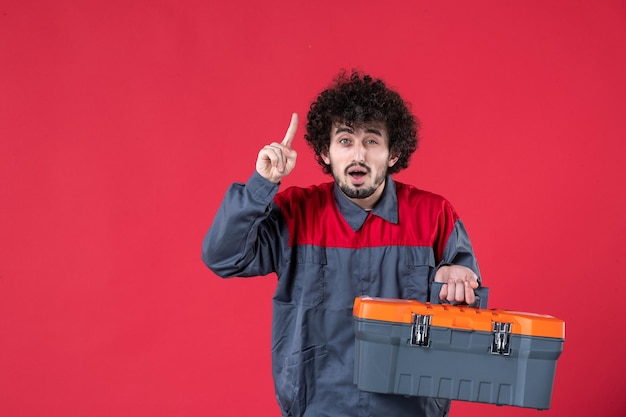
359 192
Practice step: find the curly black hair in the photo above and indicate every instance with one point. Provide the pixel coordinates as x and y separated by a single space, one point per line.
355 99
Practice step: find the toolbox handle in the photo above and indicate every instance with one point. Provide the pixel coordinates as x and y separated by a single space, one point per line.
482 295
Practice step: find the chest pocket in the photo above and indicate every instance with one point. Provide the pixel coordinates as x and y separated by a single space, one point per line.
301 282
420 269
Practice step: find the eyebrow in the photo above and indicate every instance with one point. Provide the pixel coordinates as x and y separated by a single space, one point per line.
347 129
343 129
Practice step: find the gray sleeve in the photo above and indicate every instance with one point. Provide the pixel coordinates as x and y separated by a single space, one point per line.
459 251
245 238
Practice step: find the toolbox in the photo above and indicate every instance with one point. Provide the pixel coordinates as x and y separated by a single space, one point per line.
482 355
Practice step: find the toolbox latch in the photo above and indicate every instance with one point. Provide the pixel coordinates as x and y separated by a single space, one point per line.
501 338
420 332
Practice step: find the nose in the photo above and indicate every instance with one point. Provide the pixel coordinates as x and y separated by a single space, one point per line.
358 154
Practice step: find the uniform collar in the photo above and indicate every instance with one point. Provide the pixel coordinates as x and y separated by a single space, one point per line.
386 208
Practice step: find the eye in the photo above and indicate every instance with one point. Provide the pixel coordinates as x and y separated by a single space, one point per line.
344 141
371 142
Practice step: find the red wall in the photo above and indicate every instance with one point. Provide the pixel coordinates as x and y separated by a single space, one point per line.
123 122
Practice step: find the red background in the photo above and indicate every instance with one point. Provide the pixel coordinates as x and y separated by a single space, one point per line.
123 122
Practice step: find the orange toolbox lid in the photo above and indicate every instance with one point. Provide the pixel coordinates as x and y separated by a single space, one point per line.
457 317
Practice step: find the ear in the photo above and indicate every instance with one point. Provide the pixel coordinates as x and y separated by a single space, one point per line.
393 160
325 158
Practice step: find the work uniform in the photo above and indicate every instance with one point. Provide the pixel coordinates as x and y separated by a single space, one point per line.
326 251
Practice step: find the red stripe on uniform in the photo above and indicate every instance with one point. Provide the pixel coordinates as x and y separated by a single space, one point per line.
313 218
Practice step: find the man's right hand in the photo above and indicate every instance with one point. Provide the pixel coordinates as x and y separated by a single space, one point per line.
276 160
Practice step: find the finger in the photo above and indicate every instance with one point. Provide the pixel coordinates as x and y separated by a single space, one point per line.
473 282
443 294
274 155
279 152
290 158
459 293
451 290
469 293
291 131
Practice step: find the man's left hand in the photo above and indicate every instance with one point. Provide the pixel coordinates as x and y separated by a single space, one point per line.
459 283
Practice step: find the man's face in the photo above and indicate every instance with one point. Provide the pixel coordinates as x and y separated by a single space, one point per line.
359 158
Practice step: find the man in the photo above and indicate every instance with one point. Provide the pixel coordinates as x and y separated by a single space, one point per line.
362 234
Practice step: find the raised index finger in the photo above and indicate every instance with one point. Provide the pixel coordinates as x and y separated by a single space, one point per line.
291 131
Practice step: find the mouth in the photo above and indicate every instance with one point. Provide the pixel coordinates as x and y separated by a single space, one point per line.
357 173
